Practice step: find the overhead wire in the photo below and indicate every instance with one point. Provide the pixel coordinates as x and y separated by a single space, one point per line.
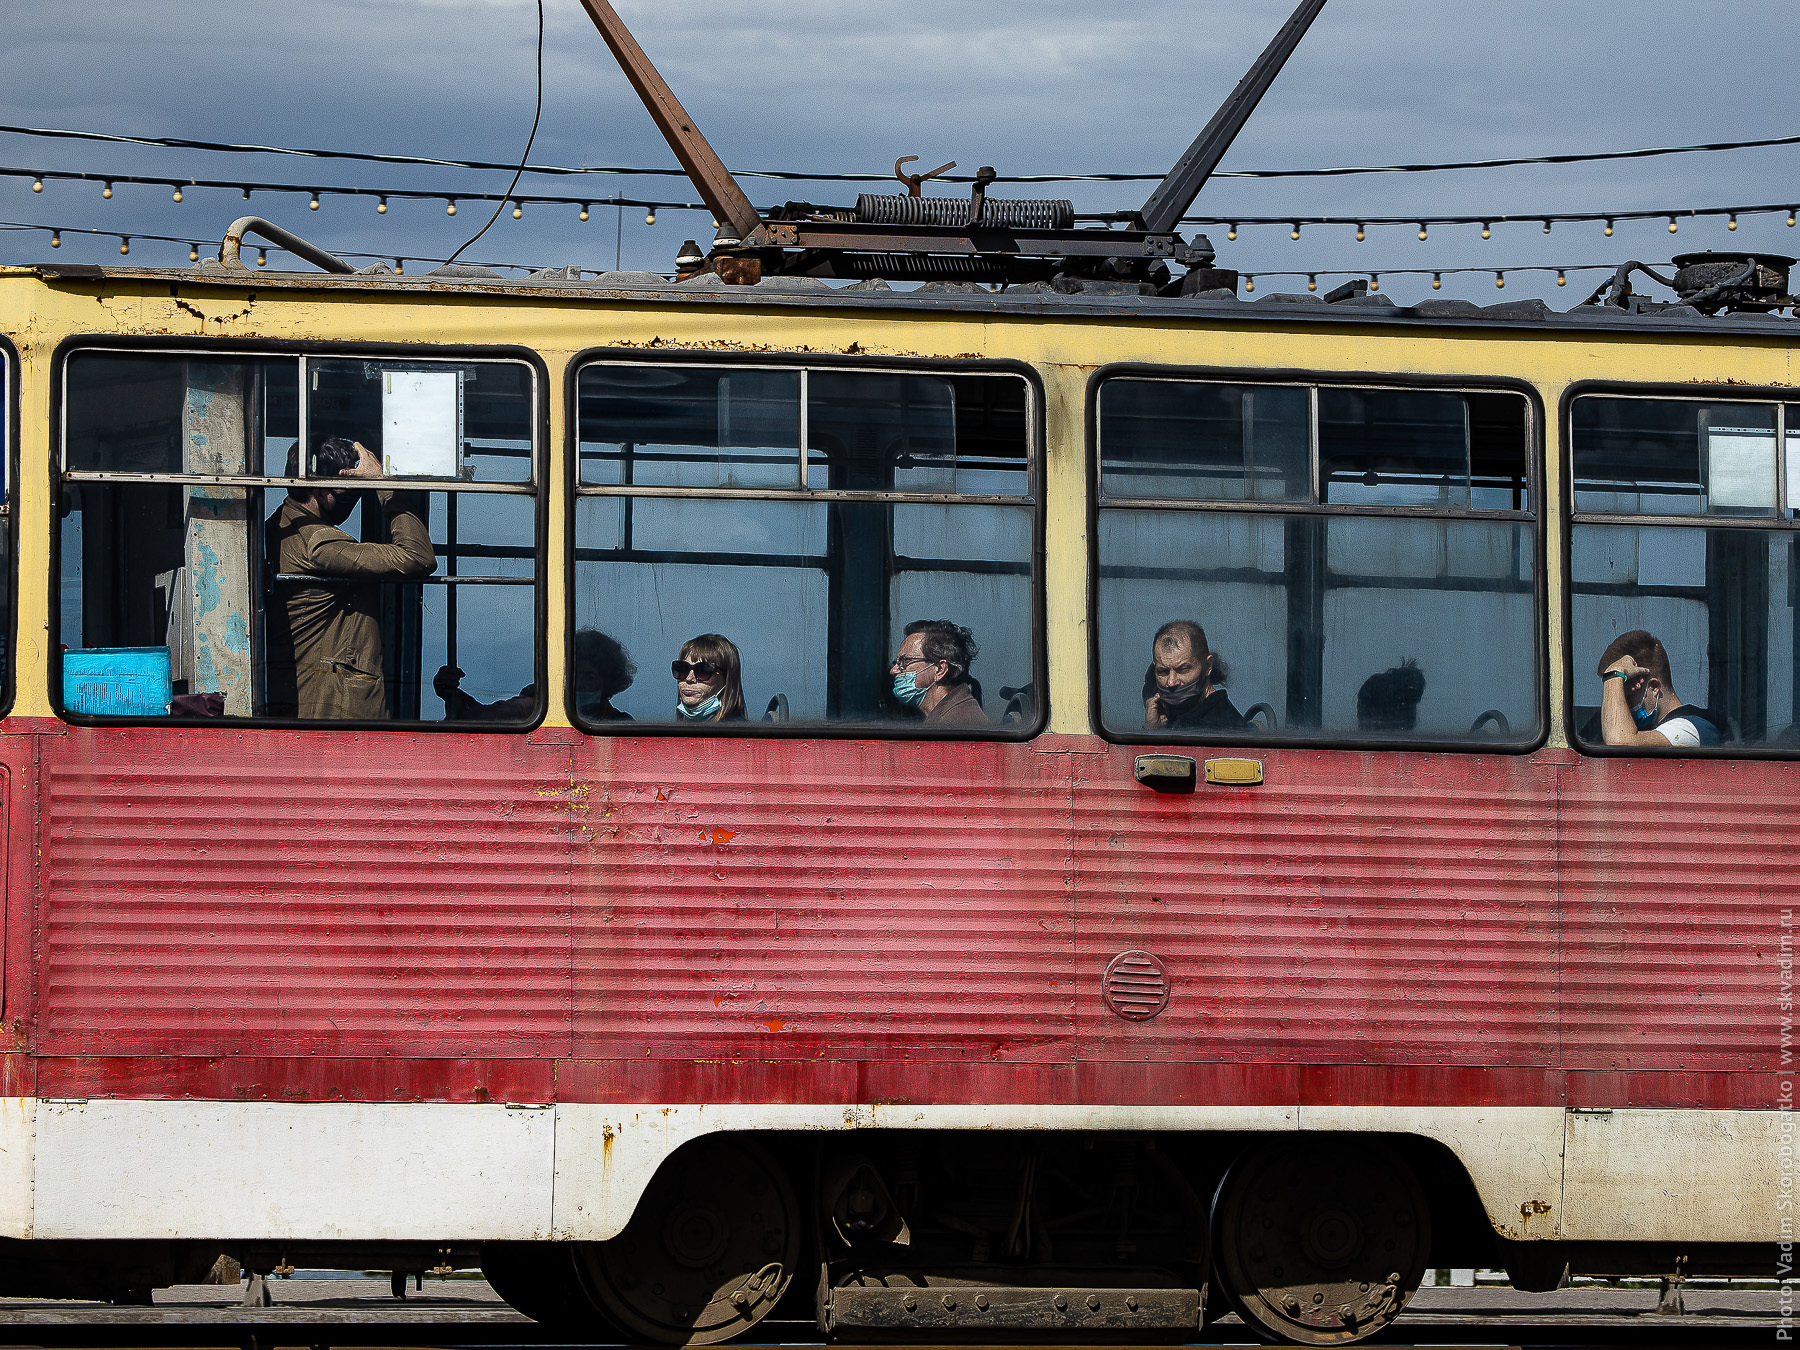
1338 171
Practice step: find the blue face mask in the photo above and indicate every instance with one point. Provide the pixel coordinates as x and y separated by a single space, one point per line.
907 691
1643 716
710 708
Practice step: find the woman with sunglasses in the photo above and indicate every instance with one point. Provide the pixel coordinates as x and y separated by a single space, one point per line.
708 687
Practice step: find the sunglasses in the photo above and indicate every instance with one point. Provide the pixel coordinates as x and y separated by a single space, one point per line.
700 670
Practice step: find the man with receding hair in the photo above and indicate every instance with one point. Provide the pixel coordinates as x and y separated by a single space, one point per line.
1184 689
1638 703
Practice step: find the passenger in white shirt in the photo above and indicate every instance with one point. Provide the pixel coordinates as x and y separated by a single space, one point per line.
1639 705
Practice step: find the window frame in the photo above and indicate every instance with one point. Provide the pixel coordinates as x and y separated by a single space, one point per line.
538 488
1033 500
1374 381
9 576
1662 392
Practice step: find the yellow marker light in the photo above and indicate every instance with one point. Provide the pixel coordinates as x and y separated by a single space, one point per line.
1234 772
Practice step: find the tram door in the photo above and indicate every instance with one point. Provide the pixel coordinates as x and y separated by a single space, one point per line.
1323 601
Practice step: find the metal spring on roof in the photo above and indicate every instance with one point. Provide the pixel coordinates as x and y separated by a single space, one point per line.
1028 215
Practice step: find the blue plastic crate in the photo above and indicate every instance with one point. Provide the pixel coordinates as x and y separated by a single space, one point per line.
117 681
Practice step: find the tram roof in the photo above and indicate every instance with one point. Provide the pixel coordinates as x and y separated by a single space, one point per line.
1085 300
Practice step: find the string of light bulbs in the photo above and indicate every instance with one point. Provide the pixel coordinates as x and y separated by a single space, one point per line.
56 232
317 195
1312 278
1547 220
1437 274
1423 223
1580 157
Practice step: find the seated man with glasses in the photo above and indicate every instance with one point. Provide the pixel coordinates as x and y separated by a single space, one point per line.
931 674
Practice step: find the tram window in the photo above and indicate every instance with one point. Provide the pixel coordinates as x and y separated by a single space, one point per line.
210 569
928 518
1673 457
1219 442
1711 604
1394 599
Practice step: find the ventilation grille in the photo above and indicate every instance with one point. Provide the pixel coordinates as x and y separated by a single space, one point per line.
1134 986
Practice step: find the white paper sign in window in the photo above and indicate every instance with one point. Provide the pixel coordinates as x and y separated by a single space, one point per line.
421 423
1740 468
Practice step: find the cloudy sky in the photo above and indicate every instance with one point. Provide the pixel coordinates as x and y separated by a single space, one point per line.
1042 87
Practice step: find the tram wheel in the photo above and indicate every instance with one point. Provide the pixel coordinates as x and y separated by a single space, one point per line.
539 1280
710 1251
1319 1240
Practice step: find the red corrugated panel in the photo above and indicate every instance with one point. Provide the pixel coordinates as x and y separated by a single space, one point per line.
776 900
1675 874
1352 909
283 893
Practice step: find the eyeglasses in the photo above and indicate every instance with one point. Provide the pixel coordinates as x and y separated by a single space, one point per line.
902 662
700 670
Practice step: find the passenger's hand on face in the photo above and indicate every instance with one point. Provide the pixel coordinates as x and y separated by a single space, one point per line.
1155 715
366 466
1626 666
447 681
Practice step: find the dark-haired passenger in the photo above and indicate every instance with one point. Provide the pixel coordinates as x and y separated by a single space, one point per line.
1184 688
931 673
603 669
1389 700
325 637
1638 702
709 684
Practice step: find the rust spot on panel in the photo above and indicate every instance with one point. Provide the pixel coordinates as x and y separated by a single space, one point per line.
775 1023
1530 1210
723 836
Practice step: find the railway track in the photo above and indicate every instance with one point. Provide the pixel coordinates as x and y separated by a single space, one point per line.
355 1314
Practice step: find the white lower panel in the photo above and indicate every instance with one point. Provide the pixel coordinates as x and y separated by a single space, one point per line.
1666 1176
17 1133
440 1172
320 1170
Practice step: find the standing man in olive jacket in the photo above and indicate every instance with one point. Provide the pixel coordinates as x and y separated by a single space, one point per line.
325 638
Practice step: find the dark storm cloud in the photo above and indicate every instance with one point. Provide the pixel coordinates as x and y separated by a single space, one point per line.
1056 86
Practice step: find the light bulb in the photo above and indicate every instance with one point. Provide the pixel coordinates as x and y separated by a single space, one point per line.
399 267
1231 233
1732 223
1295 232
1500 281
650 216
1437 281
381 206
193 254
1424 233
1562 278
1609 229
450 208
313 205
177 196
1673 227
518 211
1249 284
262 257
1361 234
56 239
37 185
246 194
584 211
1374 281
106 192
1487 230
1546 227
1312 282
1790 217
124 245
